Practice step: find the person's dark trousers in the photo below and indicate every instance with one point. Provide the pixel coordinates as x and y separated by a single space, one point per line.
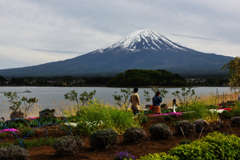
135 111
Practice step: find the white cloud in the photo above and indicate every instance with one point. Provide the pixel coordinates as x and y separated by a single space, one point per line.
75 27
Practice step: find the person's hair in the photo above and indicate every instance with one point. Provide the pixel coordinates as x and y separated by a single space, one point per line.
135 90
157 94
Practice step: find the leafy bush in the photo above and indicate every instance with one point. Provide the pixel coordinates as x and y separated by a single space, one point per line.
133 135
199 124
213 146
160 131
158 156
227 115
19 123
185 126
235 121
167 118
25 131
124 155
110 116
86 128
103 139
67 145
13 153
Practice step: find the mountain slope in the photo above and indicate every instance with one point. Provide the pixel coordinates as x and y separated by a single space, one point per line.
143 49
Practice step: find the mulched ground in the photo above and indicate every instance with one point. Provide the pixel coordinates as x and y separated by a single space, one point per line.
142 148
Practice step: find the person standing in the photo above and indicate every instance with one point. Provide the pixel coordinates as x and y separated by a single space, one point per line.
135 100
157 99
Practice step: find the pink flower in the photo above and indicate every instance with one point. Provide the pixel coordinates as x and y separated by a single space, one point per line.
10 130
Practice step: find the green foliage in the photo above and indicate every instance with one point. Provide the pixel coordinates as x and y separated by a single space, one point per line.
158 156
13 153
160 131
122 99
133 135
28 103
46 120
185 95
16 102
18 124
233 66
103 139
26 131
198 110
36 142
138 77
67 145
100 116
13 100
213 146
184 127
84 97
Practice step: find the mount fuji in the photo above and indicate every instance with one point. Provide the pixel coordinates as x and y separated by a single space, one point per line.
142 49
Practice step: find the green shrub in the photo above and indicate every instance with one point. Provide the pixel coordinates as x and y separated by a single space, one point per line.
213 146
103 139
17 124
109 116
235 121
195 150
199 124
67 145
13 153
133 135
160 131
185 126
26 131
227 115
167 118
158 156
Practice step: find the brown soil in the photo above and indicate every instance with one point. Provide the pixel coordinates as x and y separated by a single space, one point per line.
142 148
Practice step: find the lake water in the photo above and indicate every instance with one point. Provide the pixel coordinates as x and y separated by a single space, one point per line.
53 97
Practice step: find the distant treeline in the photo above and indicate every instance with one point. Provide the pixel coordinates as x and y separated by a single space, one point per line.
138 77
129 78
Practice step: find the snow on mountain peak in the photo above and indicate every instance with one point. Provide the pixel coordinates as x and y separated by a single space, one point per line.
145 39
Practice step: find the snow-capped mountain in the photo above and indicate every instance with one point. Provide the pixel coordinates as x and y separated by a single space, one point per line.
145 39
142 49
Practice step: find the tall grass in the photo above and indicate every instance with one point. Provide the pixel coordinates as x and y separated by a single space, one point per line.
96 115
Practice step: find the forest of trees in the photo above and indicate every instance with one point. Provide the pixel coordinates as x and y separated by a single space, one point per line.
138 77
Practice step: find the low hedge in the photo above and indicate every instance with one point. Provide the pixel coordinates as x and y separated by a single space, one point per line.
214 146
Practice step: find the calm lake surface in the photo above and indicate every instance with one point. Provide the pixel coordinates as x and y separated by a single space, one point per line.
53 97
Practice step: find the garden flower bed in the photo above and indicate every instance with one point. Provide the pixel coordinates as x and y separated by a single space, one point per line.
142 148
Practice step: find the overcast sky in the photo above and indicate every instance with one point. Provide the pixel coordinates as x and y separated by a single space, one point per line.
39 31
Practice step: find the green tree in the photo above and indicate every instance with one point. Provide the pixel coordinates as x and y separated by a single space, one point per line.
83 97
234 71
122 99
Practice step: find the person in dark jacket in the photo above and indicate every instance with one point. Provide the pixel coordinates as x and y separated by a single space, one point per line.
157 99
